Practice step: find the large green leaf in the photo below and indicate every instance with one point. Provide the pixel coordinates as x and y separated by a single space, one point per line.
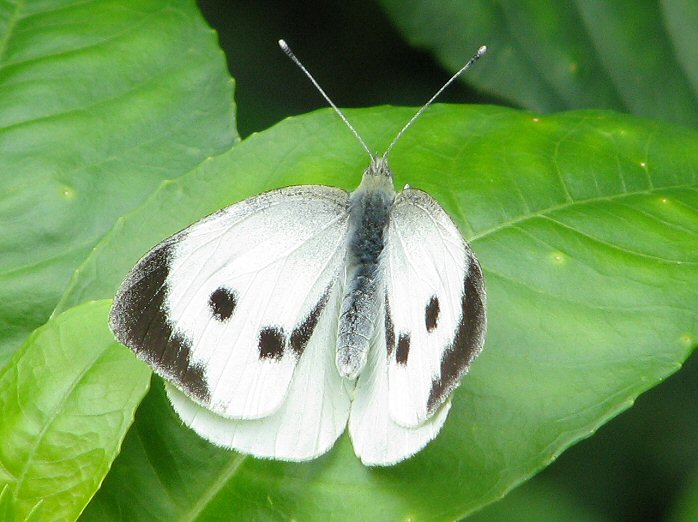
99 101
586 225
628 55
67 399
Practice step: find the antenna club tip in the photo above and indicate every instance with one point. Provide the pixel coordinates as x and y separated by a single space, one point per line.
482 50
283 44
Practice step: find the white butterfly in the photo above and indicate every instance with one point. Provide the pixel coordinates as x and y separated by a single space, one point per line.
281 319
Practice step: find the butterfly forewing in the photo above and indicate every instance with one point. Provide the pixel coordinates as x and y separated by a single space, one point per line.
275 257
434 306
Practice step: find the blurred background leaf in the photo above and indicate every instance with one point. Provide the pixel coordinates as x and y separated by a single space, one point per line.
627 55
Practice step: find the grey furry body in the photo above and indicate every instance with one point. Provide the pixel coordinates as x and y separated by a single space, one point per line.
369 215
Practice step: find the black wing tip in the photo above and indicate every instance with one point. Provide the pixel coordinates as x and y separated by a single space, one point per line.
468 341
138 319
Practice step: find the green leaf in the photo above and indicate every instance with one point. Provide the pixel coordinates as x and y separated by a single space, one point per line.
586 225
628 55
8 511
99 101
67 399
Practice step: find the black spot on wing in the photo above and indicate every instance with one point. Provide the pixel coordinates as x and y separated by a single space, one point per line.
301 334
468 339
431 313
389 328
271 343
139 320
403 348
222 303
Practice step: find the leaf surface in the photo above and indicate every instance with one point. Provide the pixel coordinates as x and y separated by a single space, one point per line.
585 224
627 55
67 401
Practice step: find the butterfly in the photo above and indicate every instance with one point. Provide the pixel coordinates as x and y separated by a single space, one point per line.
287 317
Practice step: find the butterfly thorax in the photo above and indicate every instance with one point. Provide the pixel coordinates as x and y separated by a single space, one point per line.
369 213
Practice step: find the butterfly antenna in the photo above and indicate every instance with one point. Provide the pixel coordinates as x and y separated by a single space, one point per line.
285 48
482 50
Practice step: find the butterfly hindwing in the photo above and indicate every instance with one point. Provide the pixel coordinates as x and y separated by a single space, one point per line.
204 308
434 307
377 439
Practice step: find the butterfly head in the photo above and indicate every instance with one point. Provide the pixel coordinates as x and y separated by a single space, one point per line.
379 167
377 177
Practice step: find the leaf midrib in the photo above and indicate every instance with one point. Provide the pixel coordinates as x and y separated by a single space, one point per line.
60 408
214 488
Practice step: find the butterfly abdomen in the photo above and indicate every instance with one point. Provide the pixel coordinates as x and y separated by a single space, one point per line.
369 214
